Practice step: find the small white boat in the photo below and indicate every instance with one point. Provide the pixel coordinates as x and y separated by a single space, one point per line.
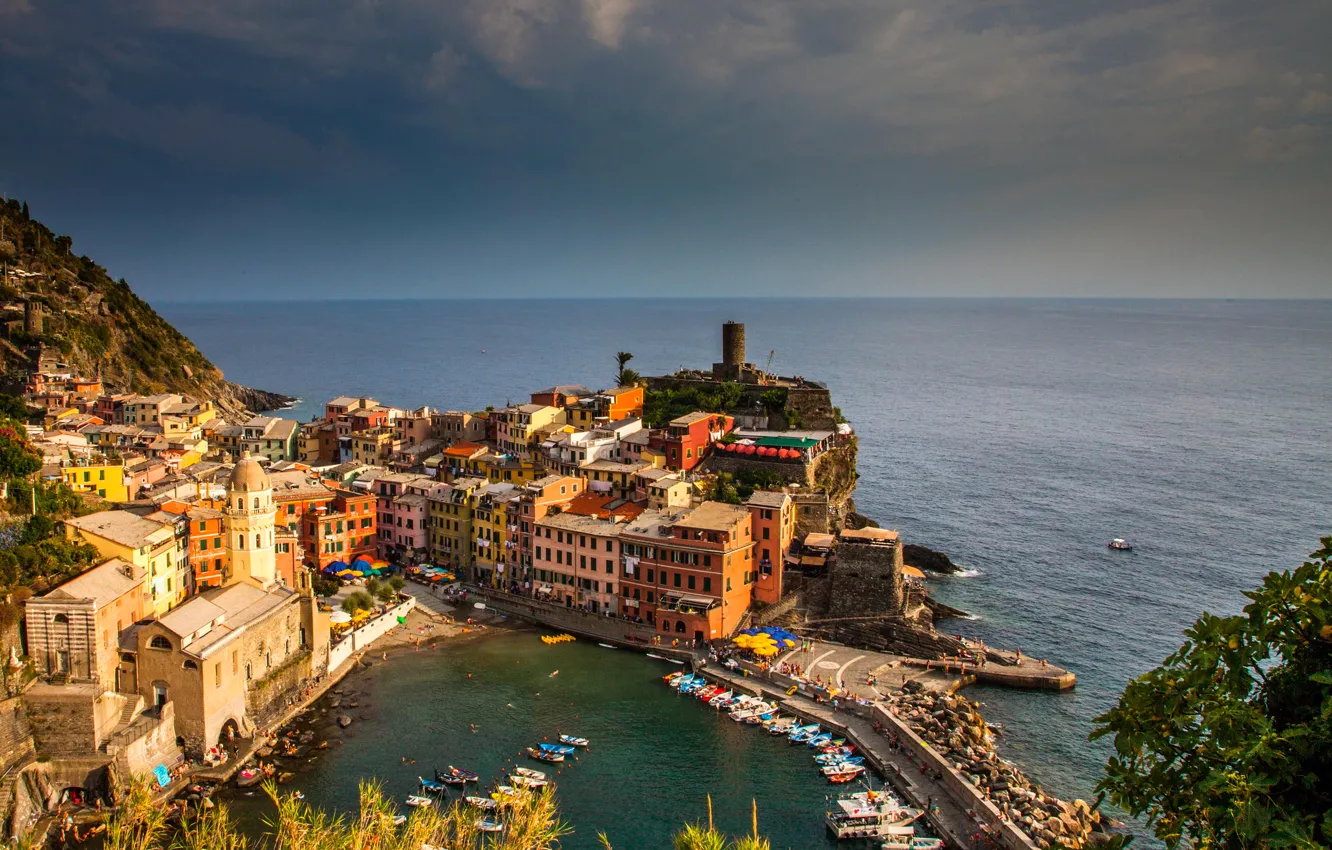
528 772
1121 544
416 801
573 740
488 825
399 820
481 802
605 646
528 782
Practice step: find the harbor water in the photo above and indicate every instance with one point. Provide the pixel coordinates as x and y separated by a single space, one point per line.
1018 436
653 758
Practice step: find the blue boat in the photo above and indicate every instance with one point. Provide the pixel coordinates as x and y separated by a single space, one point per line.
565 749
803 734
820 740
432 786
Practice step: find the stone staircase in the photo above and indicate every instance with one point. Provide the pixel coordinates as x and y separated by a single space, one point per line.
128 714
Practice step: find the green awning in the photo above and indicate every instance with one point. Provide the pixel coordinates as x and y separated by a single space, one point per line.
785 442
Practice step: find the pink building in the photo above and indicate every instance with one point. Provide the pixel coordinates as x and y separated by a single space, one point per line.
402 514
573 559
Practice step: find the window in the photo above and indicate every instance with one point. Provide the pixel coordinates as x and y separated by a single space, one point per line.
62 618
665 625
257 544
235 660
217 675
256 503
650 577
190 665
159 642
728 585
707 585
649 597
765 533
247 671
677 579
691 582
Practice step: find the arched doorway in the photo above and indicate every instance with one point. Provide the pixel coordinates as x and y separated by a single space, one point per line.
227 735
159 694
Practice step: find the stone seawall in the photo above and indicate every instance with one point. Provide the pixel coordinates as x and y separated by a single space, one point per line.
361 638
597 627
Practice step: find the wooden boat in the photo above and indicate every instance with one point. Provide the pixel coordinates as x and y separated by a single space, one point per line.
678 682
905 838
720 696
432 785
848 749
449 778
1121 544
821 740
465 775
564 749
528 782
802 734
489 825
481 802
504 793
573 740
846 774
672 676
529 773
839 767
416 801
545 755
824 761
399 820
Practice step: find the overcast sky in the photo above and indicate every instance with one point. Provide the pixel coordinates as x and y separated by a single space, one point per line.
229 149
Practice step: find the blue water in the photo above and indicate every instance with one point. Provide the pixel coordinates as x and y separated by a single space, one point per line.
1016 435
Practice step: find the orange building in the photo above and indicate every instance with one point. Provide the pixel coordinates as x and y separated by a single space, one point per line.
689 572
772 516
210 559
343 530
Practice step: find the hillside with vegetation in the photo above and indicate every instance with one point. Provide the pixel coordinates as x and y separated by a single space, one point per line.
97 324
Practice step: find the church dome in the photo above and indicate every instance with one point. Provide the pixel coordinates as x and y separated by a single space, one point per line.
249 477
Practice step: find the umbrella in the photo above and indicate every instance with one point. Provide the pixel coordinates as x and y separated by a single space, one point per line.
356 572
340 617
338 566
361 564
344 573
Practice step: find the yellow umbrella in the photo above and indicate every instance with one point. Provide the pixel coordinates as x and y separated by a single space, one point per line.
765 650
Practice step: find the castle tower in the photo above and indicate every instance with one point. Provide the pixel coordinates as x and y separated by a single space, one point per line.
32 318
250 516
733 346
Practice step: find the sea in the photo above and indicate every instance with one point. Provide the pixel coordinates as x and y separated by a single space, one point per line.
1018 436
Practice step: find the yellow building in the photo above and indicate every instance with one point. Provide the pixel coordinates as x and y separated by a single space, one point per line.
159 549
103 476
450 522
494 508
518 425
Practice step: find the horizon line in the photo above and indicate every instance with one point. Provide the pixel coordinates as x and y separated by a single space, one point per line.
577 298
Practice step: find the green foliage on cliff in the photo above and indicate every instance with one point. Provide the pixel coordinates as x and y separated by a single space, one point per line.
1228 744
661 406
96 323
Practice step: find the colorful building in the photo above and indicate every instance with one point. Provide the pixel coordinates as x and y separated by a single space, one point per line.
688 439
773 516
101 475
344 529
152 546
450 522
209 557
690 573
575 560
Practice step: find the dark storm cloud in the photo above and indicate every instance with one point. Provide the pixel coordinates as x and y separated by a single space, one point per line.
870 145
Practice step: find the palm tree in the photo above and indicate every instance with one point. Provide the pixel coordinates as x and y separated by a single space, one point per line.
624 376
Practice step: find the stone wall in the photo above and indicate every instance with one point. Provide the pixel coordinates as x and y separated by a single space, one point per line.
811 513
16 743
790 471
370 632
966 794
266 699
575 621
62 719
866 579
150 741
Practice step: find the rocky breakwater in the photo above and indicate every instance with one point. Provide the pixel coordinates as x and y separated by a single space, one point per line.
953 727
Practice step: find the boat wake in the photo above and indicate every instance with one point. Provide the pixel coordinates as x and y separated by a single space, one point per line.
966 573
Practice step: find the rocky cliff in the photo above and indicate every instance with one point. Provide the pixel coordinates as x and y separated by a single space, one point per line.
96 324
